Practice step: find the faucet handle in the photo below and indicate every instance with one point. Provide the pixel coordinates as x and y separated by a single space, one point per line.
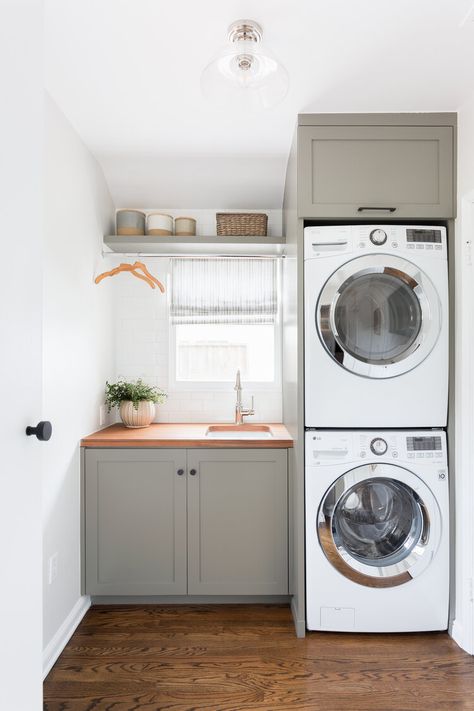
249 410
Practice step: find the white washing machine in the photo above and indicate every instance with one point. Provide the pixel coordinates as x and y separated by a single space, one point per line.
376 326
377 531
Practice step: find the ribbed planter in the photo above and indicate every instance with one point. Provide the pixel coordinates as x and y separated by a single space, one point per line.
137 418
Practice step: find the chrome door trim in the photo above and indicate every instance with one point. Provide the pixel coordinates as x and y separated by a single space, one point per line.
411 276
392 575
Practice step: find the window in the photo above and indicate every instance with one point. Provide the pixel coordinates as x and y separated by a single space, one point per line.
224 317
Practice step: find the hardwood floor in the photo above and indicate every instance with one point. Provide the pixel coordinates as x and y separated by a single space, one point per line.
242 657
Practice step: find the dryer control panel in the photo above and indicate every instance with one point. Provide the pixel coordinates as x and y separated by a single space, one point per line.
328 447
328 241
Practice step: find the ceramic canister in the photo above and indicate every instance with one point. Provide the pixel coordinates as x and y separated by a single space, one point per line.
185 226
157 223
130 222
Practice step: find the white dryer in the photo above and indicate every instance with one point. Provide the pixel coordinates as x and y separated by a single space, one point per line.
377 531
376 326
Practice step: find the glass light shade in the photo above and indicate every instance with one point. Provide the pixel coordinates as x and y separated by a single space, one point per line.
245 74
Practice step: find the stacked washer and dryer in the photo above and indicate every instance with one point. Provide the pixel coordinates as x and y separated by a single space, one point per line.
376 398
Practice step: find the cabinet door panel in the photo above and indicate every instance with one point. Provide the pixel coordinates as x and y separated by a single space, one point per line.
343 168
237 522
135 506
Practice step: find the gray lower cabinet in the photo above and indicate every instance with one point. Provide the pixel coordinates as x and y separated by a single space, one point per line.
135 522
237 522
218 528
369 171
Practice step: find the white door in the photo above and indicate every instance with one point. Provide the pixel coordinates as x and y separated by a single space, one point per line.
20 354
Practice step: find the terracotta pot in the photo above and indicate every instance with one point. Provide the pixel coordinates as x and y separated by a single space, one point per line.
137 418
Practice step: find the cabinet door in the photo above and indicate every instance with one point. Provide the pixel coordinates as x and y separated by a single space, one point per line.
237 522
408 169
135 521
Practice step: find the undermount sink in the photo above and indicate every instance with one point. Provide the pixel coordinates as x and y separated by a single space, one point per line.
239 432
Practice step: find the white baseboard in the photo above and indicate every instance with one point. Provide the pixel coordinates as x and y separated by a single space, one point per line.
54 648
458 634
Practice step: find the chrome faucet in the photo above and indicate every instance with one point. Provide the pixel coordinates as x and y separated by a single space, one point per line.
241 412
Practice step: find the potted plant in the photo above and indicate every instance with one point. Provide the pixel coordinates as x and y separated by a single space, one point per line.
136 401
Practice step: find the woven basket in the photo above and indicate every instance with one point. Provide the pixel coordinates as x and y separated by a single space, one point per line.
241 224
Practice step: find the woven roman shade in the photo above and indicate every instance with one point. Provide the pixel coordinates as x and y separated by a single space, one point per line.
223 290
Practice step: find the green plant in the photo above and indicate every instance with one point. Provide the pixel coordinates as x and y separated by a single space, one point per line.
137 391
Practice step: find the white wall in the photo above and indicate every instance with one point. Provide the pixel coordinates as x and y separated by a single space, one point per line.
190 181
463 628
78 350
465 148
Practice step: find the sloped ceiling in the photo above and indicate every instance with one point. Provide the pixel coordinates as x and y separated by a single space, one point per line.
126 74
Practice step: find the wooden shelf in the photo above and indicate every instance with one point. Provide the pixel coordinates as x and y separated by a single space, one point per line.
193 246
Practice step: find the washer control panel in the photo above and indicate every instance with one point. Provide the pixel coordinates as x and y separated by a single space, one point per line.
327 447
328 241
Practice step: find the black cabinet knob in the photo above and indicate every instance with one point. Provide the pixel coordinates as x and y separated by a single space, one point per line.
193 472
43 431
180 472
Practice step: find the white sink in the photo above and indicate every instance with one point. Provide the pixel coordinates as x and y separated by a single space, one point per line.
239 432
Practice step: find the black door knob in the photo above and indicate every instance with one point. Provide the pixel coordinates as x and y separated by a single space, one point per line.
43 431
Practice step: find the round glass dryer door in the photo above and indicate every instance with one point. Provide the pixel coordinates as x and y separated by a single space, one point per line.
378 316
379 525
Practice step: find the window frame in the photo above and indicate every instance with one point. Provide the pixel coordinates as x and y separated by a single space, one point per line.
223 386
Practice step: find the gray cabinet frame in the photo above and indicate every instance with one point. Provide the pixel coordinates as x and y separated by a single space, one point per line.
407 168
135 522
151 531
238 522
296 208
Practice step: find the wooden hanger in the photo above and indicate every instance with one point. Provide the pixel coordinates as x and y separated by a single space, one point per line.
140 265
132 268
124 268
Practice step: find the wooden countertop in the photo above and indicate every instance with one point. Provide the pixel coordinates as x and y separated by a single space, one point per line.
185 435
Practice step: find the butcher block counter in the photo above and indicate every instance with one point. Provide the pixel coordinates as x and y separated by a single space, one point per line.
211 435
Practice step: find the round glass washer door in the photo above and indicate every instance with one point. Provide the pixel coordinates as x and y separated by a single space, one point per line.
378 316
379 525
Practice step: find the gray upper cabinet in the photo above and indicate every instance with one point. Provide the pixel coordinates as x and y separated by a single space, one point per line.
135 521
237 522
376 171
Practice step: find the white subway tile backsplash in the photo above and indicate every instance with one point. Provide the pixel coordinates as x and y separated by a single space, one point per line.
136 352
132 307
125 371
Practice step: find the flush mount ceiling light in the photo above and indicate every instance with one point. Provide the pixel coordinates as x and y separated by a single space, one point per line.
244 73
